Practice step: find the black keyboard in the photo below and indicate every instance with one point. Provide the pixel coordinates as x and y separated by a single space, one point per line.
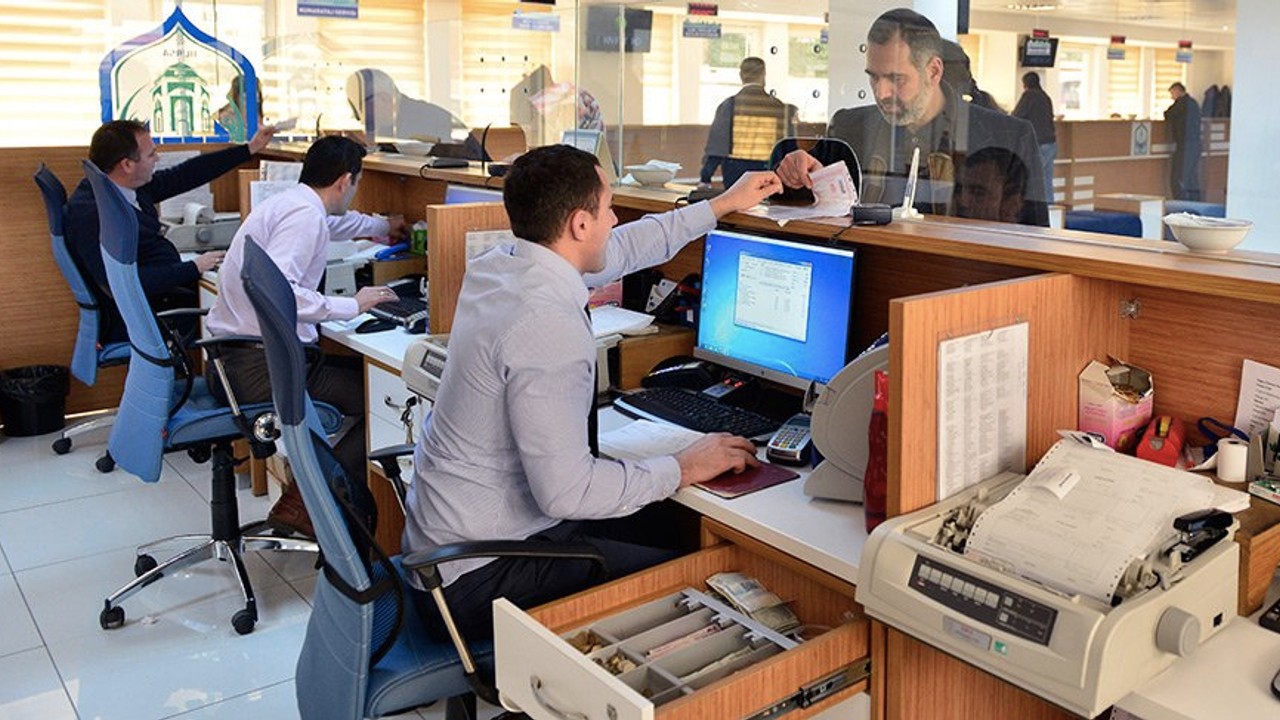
405 311
696 411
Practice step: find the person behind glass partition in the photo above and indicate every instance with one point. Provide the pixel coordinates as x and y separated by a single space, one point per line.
233 117
745 128
914 109
1183 119
1036 107
387 112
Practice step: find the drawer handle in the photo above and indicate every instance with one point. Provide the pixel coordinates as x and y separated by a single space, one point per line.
535 685
386 400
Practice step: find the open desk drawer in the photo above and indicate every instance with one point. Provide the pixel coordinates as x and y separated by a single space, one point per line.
539 671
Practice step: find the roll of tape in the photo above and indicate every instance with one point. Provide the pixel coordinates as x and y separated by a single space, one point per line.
1233 455
193 213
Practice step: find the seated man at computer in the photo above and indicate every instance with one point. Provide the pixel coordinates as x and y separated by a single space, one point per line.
124 150
294 228
505 452
916 110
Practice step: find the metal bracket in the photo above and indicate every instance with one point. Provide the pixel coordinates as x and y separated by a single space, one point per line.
1130 308
818 690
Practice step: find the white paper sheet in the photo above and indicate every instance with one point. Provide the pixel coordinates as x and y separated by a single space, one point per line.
1119 509
642 439
611 320
260 190
833 191
982 407
478 242
1259 397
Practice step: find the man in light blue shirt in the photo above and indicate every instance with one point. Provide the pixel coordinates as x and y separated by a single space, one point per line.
504 454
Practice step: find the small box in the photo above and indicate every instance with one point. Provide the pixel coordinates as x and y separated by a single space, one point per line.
1115 402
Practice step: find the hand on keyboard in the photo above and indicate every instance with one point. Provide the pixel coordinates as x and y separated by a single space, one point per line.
713 455
367 297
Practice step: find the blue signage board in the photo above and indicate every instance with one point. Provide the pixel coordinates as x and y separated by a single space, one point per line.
329 8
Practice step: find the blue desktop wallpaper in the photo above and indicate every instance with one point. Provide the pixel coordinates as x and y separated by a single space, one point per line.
824 352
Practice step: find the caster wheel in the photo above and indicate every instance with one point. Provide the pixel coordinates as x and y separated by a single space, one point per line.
105 464
243 621
62 446
111 618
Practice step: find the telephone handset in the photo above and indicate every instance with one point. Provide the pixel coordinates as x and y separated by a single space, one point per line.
684 372
410 286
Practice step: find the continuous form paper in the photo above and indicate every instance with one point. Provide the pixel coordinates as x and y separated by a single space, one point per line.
1082 516
982 407
644 439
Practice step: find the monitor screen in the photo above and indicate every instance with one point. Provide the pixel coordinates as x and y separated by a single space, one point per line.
776 309
1039 52
455 194
602 29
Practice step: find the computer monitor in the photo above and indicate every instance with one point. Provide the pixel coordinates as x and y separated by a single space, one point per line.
594 142
455 194
776 309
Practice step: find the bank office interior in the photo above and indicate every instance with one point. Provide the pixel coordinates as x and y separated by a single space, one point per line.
66 531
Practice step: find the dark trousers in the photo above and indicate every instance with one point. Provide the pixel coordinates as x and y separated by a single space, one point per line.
337 380
628 545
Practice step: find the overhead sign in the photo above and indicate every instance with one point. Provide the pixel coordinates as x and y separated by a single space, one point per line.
538 22
705 30
1184 51
329 8
697 8
1115 51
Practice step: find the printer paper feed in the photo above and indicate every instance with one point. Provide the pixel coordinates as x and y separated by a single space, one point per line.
982 407
1117 510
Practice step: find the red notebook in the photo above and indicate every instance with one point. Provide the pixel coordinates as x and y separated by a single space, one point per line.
731 485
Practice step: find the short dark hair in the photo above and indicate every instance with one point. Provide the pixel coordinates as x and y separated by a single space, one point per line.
916 30
329 158
1178 85
751 70
545 186
114 141
1031 80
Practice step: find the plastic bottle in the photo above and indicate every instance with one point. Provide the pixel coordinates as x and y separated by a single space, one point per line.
876 482
418 238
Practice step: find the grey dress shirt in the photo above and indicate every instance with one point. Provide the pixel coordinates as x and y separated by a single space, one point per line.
504 452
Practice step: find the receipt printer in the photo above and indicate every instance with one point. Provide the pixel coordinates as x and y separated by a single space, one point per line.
1071 649
205 234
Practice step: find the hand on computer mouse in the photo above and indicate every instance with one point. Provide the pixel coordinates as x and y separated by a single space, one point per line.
367 297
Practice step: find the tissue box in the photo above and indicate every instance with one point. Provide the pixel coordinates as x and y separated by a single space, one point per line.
1115 402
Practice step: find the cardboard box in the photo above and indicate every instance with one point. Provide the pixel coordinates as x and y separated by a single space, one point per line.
1115 402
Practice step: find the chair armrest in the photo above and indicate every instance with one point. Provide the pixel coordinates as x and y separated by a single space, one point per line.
213 345
386 458
425 562
183 312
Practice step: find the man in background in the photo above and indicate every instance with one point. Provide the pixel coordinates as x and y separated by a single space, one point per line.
745 127
1036 107
914 110
1183 121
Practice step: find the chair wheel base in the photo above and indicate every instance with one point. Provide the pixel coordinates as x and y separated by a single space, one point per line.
62 446
243 621
105 464
111 617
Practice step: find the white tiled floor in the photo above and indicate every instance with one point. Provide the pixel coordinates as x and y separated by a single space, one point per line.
67 537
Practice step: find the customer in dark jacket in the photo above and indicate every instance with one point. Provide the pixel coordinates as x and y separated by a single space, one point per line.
1183 120
1036 107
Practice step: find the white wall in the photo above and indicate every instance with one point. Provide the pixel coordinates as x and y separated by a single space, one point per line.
1255 111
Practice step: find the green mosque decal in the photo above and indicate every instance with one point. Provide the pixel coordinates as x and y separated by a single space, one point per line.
171 78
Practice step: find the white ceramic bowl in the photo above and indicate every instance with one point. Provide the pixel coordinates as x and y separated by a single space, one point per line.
1210 235
646 175
414 147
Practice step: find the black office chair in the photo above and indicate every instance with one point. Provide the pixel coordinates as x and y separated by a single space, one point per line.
164 410
366 653
88 355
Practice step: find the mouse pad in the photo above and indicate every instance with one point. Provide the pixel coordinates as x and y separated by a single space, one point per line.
730 485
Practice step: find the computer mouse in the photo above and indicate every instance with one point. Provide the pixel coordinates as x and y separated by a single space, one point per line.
373 325
1275 685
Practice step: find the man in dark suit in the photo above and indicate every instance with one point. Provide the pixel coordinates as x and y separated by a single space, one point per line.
1183 119
124 150
915 109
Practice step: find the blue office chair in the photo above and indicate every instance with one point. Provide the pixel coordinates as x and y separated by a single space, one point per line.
88 354
366 653
157 416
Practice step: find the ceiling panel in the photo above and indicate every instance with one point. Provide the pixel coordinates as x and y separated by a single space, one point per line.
1204 15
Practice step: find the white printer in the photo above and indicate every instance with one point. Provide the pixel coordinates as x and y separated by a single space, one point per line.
207 231
1072 649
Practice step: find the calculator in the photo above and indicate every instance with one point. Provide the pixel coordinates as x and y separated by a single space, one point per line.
790 443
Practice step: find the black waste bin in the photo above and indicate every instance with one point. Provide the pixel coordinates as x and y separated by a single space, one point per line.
33 400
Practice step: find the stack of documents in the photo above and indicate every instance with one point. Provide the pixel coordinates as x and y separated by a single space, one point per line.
644 439
613 320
